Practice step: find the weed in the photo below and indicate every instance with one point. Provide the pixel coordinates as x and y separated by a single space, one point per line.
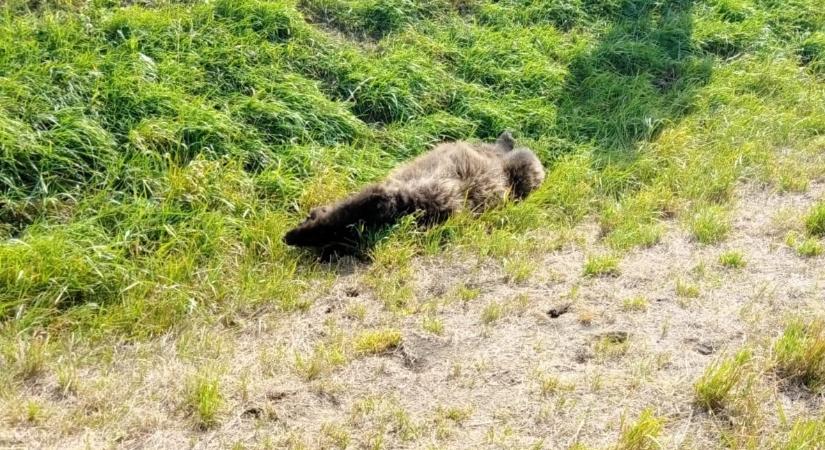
714 388
601 265
549 384
732 259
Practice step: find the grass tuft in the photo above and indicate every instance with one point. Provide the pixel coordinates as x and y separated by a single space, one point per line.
732 259
642 434
375 342
601 265
815 220
716 385
799 353
710 225
203 399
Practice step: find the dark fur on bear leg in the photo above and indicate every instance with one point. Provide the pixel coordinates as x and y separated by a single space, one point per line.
338 225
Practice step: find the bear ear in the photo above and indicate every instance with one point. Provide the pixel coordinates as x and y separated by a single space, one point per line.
505 141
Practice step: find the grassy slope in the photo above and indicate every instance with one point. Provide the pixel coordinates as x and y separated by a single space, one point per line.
151 156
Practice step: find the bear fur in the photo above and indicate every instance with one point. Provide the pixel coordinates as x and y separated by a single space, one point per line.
451 177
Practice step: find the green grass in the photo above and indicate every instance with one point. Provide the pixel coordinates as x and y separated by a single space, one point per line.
601 265
807 247
715 388
815 220
732 259
152 156
374 342
710 225
799 353
642 434
635 304
204 399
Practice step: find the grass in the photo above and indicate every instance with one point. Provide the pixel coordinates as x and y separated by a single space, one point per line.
732 259
635 304
807 247
710 225
203 398
601 265
799 353
374 342
685 289
815 220
153 153
715 388
641 434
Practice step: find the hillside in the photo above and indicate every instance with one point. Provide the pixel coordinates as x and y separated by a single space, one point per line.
662 289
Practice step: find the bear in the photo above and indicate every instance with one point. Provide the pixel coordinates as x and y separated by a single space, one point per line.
451 177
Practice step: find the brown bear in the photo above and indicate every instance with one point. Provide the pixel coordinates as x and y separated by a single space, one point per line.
450 177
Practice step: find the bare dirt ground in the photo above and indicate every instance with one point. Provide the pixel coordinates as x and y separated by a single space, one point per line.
523 379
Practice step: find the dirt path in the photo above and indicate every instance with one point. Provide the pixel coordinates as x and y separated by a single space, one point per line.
523 379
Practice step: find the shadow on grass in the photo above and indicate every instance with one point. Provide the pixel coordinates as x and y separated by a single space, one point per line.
640 77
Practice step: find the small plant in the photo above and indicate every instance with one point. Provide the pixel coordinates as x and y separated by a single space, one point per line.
635 304
34 411
807 247
324 357
492 312
686 290
804 434
466 294
642 434
732 259
433 325
815 220
799 353
710 225
713 389
454 414
611 345
375 342
601 265
336 434
518 270
549 384
204 399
